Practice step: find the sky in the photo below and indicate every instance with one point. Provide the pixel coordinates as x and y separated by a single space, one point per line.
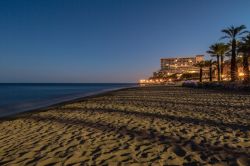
95 41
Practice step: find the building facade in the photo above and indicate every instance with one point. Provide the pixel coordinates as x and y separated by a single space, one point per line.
180 65
174 69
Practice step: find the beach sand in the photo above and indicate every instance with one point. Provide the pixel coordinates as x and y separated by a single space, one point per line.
140 126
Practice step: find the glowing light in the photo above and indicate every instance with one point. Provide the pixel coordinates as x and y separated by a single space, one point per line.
241 74
192 71
142 81
150 81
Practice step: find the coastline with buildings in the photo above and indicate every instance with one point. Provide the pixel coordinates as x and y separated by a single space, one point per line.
183 68
145 125
173 68
70 93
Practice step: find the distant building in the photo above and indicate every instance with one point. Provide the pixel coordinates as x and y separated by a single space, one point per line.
174 68
180 65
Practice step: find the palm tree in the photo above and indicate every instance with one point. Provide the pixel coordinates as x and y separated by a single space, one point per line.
209 64
218 50
224 51
232 33
245 49
200 65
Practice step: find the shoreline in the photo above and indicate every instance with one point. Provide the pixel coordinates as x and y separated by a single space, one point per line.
45 107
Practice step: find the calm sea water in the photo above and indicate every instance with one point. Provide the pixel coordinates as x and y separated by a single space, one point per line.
15 98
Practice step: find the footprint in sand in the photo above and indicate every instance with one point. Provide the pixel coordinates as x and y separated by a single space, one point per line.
179 151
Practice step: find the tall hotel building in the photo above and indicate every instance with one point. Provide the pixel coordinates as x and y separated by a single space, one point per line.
180 65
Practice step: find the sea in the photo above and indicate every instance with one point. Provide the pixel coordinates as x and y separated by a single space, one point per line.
17 98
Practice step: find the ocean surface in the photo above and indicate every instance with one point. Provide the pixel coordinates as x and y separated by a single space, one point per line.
16 98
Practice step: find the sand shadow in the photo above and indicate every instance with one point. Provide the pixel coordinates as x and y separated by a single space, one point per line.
175 102
206 122
151 135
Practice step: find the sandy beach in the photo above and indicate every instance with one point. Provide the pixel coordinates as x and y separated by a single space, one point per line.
140 126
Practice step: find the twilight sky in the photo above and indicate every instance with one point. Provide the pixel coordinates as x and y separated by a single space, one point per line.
106 40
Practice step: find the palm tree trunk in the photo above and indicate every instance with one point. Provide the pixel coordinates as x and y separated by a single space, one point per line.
210 73
246 67
221 65
233 62
201 73
218 67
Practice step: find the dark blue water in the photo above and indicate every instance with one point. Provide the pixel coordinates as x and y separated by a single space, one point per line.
15 98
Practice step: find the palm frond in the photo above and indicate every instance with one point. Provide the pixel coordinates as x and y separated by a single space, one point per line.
228 32
232 31
210 52
246 39
218 49
241 27
225 37
244 32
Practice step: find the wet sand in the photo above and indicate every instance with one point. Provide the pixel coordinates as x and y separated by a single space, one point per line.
140 126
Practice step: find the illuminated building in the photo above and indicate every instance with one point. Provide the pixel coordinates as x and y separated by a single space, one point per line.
180 65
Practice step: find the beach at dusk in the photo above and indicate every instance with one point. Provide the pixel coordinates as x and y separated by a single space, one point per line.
125 82
159 125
